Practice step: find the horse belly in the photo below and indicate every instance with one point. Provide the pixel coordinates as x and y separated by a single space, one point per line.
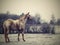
20 31
13 27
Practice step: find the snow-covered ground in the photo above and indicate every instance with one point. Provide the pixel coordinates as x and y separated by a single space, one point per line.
32 39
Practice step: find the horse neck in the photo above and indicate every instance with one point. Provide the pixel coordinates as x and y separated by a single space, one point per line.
23 18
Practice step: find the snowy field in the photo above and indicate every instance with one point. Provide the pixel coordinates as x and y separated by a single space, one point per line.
32 39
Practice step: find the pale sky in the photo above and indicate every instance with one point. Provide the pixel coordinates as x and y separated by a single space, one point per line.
43 7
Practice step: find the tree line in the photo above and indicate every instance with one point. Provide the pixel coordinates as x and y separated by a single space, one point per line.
35 20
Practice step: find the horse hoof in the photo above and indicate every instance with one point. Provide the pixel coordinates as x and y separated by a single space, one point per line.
18 40
7 41
24 40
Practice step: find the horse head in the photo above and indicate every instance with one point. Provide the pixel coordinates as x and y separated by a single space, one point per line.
28 16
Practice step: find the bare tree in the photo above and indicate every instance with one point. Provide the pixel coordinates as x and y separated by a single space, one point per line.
53 20
37 18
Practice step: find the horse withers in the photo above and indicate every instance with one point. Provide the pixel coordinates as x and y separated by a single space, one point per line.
18 25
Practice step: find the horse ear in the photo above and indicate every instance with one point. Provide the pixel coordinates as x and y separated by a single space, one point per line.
27 13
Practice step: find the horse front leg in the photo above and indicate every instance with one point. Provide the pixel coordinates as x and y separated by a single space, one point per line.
18 36
23 36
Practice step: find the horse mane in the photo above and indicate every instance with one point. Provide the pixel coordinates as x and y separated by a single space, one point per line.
26 15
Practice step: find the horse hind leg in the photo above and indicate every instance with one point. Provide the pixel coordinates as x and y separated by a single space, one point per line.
6 35
5 30
6 38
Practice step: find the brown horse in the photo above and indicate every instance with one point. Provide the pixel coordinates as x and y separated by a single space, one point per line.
18 24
